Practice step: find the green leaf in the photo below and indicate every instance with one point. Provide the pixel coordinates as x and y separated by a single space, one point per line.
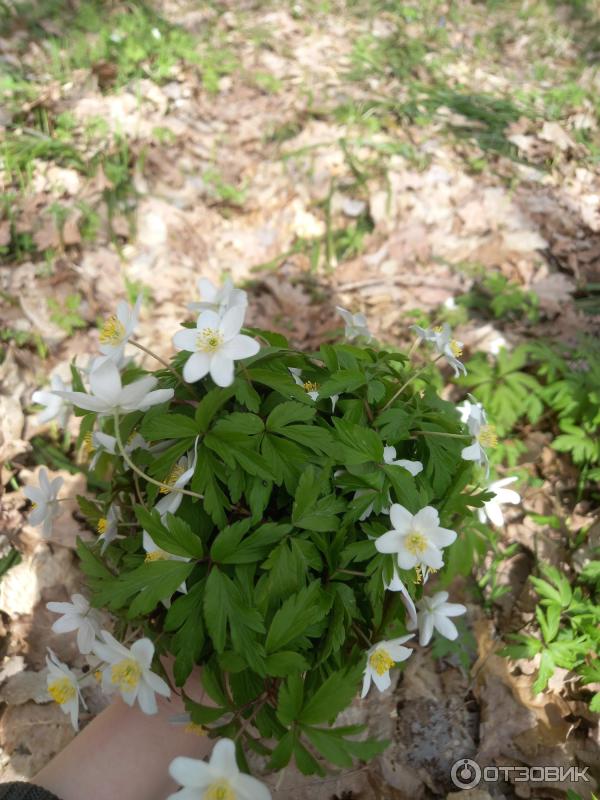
332 697
254 547
546 671
225 608
280 381
290 699
285 413
394 424
359 444
239 424
168 426
285 662
282 753
210 404
328 746
177 539
150 583
345 380
310 512
404 487
297 613
228 540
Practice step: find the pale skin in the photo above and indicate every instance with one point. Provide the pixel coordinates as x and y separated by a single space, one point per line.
124 753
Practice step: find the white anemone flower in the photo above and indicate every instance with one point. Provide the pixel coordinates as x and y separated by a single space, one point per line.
118 329
484 435
492 509
434 613
310 387
215 343
56 407
217 779
77 616
128 671
380 659
108 527
356 324
396 585
416 539
109 396
46 506
63 688
179 476
218 298
445 345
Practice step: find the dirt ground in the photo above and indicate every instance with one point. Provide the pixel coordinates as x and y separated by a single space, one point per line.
380 157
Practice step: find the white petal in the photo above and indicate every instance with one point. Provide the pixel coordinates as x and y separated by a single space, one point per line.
221 370
208 319
86 401
366 682
186 339
494 513
232 321
406 560
143 651
442 537
35 494
191 772
157 684
426 520
445 626
223 758
85 638
425 629
382 682
146 699
249 788
508 496
241 346
451 609
399 653
414 467
400 517
105 382
66 624
472 452
389 542
133 393
196 367
153 399
432 557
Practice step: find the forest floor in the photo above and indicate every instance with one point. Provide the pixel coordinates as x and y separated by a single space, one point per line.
419 161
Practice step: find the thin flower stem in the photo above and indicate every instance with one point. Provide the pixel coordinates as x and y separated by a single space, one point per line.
158 358
442 433
350 572
142 474
409 381
361 634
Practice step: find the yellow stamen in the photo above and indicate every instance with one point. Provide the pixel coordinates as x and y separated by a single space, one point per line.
172 478
209 340
195 728
98 675
418 574
87 444
221 790
415 543
126 674
456 348
102 525
381 661
311 386
62 690
155 555
487 436
113 331
34 506
438 329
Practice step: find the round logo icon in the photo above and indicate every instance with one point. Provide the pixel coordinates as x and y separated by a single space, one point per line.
465 773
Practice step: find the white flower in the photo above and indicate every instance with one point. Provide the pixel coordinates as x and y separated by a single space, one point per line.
446 346
108 527
416 540
218 298
356 324
215 343
310 387
433 613
492 509
45 504
219 779
129 671
396 585
77 616
389 457
497 344
56 407
63 687
472 413
178 477
109 396
104 442
380 659
484 435
118 328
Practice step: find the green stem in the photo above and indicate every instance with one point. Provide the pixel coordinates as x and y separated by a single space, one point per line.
409 381
165 364
442 433
142 474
